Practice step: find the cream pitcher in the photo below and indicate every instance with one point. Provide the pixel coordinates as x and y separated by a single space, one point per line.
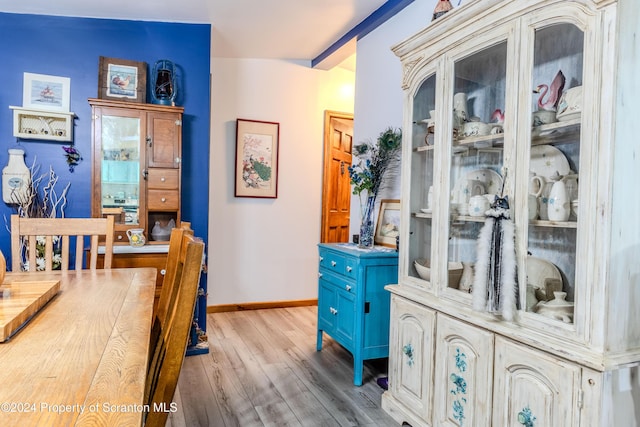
540 187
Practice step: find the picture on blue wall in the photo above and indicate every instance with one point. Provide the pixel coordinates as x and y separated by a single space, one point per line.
122 80
44 92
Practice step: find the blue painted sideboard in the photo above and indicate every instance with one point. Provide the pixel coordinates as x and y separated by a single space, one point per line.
353 306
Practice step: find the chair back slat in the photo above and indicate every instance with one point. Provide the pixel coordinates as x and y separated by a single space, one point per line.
171 344
26 231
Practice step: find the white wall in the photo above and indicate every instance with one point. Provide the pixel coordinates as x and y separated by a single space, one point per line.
264 250
379 98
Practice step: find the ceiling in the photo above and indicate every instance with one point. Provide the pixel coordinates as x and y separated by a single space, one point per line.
282 29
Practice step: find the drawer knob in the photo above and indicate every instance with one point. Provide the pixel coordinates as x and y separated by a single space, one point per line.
321 259
163 179
348 288
163 200
333 263
333 311
349 269
163 272
119 237
319 274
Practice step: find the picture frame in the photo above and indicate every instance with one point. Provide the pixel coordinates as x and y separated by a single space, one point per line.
256 164
122 80
388 224
44 92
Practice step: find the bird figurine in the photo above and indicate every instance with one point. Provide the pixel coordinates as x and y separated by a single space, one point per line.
497 116
442 7
555 91
120 82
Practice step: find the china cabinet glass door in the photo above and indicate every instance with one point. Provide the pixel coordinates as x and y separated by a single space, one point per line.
120 166
422 172
554 168
476 162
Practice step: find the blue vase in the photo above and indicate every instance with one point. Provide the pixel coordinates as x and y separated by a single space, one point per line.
366 227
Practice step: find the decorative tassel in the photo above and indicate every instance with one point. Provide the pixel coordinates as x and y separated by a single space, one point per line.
495 287
441 8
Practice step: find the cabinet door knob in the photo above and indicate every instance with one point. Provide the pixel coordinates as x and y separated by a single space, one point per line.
348 288
119 237
349 269
163 272
333 263
148 139
319 275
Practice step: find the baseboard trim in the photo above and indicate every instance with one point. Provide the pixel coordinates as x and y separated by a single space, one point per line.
259 305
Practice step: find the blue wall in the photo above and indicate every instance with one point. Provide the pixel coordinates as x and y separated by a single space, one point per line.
71 47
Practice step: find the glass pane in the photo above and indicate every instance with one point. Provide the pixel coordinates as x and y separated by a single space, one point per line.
477 154
421 197
554 168
121 166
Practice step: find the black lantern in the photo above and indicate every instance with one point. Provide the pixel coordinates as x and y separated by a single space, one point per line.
163 82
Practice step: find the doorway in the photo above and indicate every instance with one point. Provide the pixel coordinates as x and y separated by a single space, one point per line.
336 186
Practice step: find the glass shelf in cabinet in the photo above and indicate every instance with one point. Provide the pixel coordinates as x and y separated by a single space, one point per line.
554 224
554 132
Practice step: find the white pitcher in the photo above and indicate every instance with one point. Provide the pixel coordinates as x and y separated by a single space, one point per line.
558 207
540 187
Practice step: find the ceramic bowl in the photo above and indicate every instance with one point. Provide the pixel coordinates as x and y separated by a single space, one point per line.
162 236
470 129
543 117
423 267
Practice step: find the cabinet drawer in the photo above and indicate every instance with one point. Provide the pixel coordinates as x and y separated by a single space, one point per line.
340 282
163 200
163 178
338 263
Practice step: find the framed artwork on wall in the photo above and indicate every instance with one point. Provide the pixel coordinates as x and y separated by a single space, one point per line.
122 80
257 145
43 92
388 225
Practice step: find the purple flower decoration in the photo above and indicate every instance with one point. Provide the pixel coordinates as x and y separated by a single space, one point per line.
73 156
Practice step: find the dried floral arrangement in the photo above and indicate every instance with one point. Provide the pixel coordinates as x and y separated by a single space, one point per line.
41 200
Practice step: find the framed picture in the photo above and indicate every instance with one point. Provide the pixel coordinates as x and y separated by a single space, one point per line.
122 80
42 92
388 225
256 158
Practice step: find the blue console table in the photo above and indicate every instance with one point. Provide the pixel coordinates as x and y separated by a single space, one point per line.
353 306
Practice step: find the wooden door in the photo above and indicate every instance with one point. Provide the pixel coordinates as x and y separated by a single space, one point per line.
164 138
336 188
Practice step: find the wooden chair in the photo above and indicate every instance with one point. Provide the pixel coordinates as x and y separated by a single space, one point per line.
169 290
26 231
170 348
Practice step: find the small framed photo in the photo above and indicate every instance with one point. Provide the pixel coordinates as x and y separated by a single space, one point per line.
388 225
122 80
42 92
257 146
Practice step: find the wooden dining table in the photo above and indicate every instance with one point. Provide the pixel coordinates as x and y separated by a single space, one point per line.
81 360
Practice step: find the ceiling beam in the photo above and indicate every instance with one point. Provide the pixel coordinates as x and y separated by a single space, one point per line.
344 46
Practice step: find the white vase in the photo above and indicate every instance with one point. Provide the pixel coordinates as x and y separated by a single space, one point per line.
466 281
16 178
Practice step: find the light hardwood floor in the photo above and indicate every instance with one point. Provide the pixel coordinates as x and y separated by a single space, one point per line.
263 370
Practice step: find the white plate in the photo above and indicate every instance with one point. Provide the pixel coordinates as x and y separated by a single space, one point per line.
492 181
546 160
538 270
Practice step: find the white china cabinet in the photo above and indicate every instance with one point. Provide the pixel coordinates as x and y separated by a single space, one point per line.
530 99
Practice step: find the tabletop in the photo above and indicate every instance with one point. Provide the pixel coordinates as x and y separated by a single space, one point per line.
82 359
